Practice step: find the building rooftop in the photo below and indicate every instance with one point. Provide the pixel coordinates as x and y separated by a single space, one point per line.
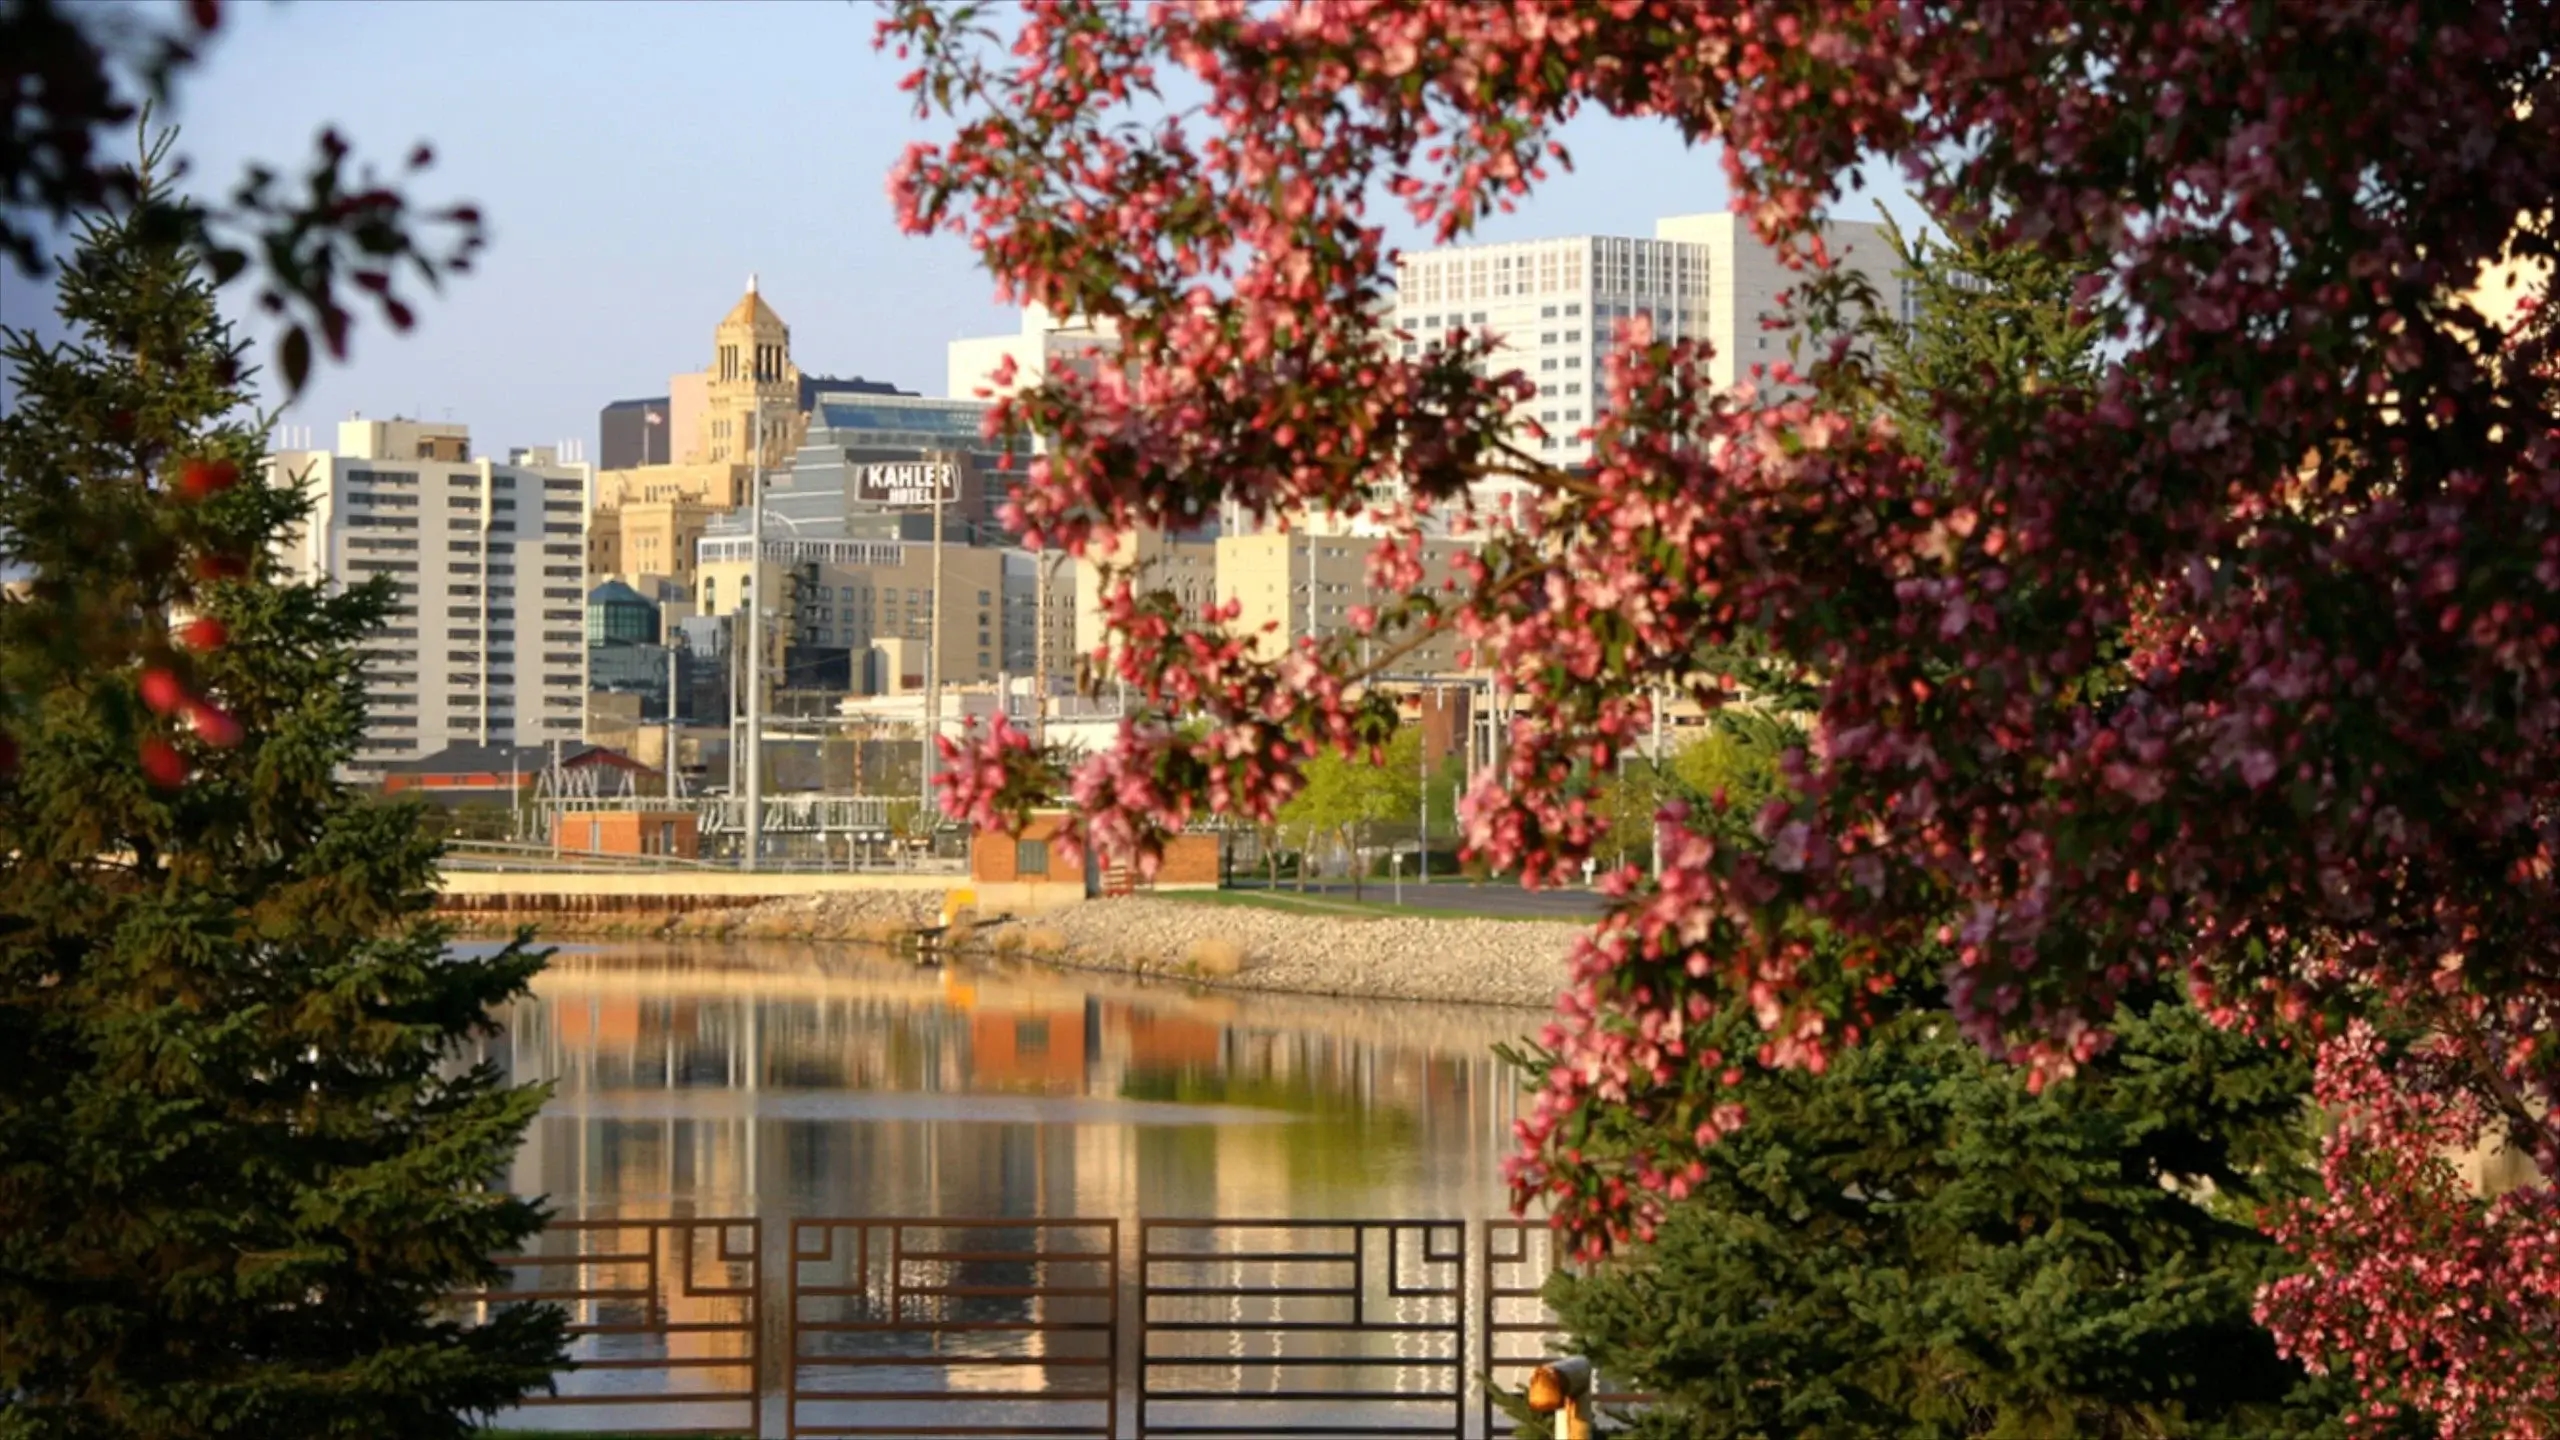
473 758
614 592
816 387
903 415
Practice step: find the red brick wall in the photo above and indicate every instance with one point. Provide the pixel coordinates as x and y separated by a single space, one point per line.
993 855
1443 713
1189 860
629 832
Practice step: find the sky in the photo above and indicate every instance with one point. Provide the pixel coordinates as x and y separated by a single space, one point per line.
637 162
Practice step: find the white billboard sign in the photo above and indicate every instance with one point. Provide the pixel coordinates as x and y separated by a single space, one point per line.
912 483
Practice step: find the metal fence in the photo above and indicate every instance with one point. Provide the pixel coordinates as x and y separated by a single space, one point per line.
664 1321
954 1327
1519 1330
927 1327
1300 1327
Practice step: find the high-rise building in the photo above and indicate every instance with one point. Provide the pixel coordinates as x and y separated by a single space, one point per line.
650 516
633 433
486 643
1556 305
857 473
1044 340
875 598
1185 567
1309 581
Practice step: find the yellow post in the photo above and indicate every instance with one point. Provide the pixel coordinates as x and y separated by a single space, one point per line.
1564 1386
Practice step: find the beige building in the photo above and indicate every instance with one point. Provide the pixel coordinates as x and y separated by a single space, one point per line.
1187 568
1301 582
875 598
637 543
486 642
649 520
751 374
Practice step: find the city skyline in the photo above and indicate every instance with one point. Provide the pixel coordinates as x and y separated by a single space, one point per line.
618 221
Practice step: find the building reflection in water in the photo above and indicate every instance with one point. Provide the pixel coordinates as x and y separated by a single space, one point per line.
837 1081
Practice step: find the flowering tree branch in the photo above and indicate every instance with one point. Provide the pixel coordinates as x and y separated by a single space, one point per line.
2232 660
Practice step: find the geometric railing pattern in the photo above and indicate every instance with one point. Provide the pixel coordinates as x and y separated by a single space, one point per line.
664 1320
1275 1328
922 1327
954 1327
1519 1331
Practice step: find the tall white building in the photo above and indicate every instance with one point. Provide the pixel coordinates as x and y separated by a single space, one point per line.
487 640
1556 304
1044 339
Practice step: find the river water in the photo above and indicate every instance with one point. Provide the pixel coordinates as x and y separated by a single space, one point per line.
778 1080
894 1129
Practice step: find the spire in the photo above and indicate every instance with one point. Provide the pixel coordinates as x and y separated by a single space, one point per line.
751 282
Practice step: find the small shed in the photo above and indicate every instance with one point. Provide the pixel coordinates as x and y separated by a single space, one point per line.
1030 861
631 832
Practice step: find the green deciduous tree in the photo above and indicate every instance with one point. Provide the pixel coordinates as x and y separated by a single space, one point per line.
1344 795
244 1152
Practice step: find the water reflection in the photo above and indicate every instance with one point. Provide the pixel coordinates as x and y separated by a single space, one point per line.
835 1081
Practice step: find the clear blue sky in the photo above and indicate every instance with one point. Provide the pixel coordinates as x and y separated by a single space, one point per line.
637 161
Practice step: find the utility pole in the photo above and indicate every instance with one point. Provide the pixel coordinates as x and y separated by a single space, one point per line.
675 783
933 647
1311 580
1044 574
753 823
1422 757
1661 696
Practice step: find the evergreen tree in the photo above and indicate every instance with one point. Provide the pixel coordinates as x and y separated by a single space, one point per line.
1991 326
242 1153
1912 1244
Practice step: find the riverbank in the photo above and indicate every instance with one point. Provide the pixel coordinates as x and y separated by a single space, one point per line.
1462 960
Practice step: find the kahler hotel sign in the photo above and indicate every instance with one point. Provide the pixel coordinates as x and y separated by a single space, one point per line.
917 483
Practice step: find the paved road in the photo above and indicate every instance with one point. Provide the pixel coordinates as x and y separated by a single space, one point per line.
1479 897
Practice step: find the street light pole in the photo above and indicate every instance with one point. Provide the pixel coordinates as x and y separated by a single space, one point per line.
675 783
752 824
1311 582
1661 697
1422 758
933 650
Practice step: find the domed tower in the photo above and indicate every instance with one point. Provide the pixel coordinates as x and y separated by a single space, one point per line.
750 369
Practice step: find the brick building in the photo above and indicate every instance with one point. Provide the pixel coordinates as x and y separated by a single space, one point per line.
1192 861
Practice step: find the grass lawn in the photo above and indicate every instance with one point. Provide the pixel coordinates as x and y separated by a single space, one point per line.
1337 907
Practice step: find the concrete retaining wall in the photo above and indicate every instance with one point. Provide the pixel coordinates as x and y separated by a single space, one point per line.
545 892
